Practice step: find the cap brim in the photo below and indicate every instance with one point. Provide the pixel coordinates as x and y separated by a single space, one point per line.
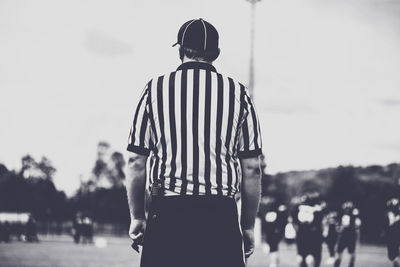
175 44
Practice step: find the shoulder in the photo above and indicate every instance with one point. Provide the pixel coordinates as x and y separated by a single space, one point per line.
161 78
152 83
234 81
239 87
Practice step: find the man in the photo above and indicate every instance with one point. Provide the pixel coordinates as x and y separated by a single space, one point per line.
392 230
31 230
201 132
77 227
349 225
331 234
5 232
87 230
308 217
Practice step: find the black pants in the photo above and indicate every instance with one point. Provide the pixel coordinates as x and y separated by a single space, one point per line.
347 239
309 242
393 241
331 241
273 240
193 231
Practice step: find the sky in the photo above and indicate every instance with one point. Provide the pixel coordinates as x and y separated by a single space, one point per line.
327 76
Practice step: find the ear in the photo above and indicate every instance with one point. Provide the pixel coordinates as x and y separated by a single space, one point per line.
216 55
181 53
219 51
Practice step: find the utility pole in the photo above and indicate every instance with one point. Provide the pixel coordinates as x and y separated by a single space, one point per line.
251 70
251 91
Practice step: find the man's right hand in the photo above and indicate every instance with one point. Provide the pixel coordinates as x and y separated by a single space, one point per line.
248 239
137 229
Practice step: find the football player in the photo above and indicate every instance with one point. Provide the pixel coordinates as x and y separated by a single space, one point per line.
392 230
273 227
349 225
331 234
77 227
308 217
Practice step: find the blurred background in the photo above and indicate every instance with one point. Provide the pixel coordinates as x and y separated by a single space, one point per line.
324 77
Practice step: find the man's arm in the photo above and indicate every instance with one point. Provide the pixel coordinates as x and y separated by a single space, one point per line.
135 188
251 194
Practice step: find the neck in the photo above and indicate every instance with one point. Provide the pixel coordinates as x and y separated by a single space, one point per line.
186 59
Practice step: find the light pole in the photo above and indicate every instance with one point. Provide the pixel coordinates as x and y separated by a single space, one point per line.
258 231
251 70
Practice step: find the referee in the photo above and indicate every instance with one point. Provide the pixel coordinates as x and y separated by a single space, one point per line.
200 131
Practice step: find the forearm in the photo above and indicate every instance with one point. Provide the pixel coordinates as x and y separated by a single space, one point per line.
251 191
136 185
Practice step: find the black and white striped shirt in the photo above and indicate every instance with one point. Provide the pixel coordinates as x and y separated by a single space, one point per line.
195 124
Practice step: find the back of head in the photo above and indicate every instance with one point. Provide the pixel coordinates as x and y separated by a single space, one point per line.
347 206
198 40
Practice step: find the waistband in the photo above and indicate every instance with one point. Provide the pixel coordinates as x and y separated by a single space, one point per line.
159 191
178 198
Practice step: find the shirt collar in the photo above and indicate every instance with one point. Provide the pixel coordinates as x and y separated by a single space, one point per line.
196 65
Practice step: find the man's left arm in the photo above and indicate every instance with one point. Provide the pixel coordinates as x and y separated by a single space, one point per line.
251 194
249 152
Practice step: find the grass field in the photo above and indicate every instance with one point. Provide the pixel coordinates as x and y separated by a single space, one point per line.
61 251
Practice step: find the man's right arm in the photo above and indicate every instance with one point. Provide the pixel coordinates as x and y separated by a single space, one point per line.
135 188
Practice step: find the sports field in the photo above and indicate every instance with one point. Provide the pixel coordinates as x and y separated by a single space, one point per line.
116 252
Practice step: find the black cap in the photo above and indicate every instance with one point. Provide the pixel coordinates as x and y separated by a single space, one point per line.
199 35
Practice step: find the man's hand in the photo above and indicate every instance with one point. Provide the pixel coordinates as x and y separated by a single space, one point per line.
248 239
136 230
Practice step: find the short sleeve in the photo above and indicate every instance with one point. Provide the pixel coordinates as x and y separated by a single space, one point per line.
250 143
140 136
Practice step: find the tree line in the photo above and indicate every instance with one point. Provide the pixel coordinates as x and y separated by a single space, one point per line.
102 194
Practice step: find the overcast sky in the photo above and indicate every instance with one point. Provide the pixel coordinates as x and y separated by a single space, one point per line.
327 76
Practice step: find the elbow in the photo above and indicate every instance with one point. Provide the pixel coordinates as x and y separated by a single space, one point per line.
136 168
137 163
251 167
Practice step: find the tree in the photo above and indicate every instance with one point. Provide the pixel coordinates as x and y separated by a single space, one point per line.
116 169
46 168
31 189
103 195
37 170
108 171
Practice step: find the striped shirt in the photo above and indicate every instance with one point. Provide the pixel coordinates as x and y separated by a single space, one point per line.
195 124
